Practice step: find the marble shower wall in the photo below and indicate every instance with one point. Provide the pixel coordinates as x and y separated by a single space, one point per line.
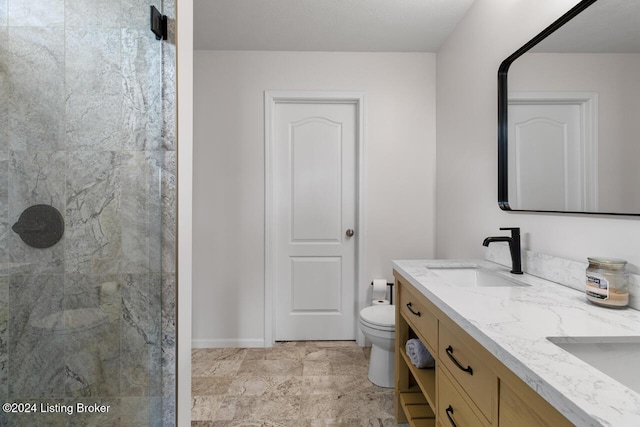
87 125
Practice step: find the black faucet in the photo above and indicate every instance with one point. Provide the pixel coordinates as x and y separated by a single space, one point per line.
514 247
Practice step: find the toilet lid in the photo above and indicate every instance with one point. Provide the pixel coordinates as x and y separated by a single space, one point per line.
380 315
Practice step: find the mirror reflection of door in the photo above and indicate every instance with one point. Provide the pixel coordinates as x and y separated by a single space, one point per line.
551 153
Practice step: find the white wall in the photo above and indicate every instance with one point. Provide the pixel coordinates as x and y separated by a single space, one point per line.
228 269
467 210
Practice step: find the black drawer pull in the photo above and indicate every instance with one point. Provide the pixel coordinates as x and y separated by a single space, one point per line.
417 313
449 412
468 369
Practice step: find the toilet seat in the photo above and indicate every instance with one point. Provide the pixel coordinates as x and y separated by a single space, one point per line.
381 317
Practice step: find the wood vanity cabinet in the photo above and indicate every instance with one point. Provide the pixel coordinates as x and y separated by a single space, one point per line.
468 387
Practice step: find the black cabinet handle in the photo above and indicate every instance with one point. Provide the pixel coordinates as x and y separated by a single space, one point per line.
449 412
417 313
468 369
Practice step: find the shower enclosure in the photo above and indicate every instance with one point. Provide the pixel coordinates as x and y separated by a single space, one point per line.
87 126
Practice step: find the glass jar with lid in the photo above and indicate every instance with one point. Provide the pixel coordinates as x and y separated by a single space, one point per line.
607 282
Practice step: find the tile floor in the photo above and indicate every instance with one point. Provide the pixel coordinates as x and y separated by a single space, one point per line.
293 384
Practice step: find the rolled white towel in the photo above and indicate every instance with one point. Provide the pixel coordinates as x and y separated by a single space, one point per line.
419 355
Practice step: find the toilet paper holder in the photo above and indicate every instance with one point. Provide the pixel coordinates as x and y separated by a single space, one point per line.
390 292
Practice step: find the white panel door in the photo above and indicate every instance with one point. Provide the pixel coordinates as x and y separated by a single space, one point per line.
545 146
314 206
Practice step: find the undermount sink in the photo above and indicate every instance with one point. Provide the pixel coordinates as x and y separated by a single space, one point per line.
616 357
474 277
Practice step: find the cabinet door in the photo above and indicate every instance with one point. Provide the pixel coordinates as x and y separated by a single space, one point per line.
535 412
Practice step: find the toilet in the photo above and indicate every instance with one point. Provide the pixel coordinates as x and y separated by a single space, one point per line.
378 324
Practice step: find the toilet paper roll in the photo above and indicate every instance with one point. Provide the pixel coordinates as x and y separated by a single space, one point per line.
379 289
380 302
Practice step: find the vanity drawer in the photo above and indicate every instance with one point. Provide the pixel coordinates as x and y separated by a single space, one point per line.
453 410
464 362
413 306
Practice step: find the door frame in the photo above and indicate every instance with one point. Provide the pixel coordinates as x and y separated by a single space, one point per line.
588 105
271 99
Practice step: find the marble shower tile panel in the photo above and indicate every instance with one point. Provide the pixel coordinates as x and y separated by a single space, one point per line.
155 335
140 359
3 13
140 211
36 13
36 345
4 336
93 89
4 83
169 8
169 399
169 85
36 178
92 14
92 340
169 210
93 123
93 227
92 62
154 208
168 330
88 291
168 323
106 212
134 411
142 107
92 356
34 60
5 227
135 13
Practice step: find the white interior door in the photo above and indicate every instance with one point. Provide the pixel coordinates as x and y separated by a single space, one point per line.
546 148
314 199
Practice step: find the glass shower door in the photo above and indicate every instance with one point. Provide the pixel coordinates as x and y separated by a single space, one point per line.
86 129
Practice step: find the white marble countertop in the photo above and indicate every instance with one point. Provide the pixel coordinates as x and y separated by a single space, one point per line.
513 324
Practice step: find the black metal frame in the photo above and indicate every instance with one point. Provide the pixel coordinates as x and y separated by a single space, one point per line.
503 104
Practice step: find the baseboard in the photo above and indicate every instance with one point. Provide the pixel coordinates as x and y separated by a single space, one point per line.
227 342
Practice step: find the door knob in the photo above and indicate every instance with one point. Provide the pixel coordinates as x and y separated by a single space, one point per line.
350 233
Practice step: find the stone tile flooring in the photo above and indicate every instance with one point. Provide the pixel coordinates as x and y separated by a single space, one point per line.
293 384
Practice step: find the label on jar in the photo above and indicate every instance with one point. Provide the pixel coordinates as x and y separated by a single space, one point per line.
597 287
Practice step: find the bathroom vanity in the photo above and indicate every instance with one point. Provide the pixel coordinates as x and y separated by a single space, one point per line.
496 345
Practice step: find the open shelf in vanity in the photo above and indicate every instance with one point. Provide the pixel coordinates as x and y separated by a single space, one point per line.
416 388
417 400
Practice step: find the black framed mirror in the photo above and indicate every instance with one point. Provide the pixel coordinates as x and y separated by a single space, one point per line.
569 114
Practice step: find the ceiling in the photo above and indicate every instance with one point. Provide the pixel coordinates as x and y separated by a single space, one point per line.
326 25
